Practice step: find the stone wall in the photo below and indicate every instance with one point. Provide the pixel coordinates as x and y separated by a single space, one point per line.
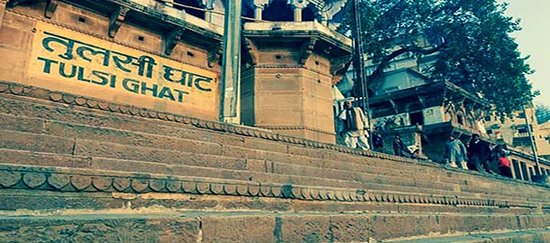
288 77
75 168
20 46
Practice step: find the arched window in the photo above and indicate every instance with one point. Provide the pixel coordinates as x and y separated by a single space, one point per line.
309 13
190 7
278 10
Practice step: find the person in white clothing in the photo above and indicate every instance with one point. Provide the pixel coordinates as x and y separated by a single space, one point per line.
354 126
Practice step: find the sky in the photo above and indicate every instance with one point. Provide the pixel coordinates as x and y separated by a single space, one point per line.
534 40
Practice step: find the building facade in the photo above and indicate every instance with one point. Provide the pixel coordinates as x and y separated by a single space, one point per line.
166 56
405 102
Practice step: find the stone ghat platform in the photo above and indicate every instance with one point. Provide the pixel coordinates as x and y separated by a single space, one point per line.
79 169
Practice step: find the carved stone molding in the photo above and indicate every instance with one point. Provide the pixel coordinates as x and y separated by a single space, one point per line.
50 179
116 20
252 52
307 50
171 39
51 6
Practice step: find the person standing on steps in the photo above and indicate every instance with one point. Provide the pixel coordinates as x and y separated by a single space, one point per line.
377 140
455 153
479 153
398 146
355 125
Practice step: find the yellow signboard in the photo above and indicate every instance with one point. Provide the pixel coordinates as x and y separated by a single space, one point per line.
72 62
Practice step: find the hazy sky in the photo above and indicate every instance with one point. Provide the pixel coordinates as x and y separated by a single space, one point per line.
534 40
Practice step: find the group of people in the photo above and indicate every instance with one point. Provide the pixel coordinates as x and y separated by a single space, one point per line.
353 129
476 156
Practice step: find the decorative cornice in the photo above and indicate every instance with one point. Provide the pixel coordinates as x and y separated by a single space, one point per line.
80 180
102 37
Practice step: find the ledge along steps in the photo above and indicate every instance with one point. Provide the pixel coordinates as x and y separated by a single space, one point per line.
82 154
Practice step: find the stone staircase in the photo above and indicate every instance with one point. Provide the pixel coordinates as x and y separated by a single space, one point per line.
79 169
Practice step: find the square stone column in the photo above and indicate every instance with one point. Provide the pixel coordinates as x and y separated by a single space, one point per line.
288 75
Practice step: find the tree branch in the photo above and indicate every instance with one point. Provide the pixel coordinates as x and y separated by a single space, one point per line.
413 49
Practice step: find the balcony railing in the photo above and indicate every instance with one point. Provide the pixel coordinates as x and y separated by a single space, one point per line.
521 135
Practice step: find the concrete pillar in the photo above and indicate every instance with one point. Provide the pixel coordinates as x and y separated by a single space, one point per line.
513 170
323 19
525 171
208 13
231 72
519 172
298 6
258 9
297 14
259 6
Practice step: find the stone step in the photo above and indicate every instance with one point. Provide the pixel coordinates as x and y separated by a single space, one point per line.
46 159
127 157
149 225
98 163
18 106
102 134
152 140
80 113
81 147
168 129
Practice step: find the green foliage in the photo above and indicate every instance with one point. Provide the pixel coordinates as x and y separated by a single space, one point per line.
470 37
543 113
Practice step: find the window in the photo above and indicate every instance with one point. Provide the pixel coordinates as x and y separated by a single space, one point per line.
489 131
524 173
278 10
517 170
309 13
417 118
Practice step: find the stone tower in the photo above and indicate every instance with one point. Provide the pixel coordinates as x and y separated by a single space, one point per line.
289 70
